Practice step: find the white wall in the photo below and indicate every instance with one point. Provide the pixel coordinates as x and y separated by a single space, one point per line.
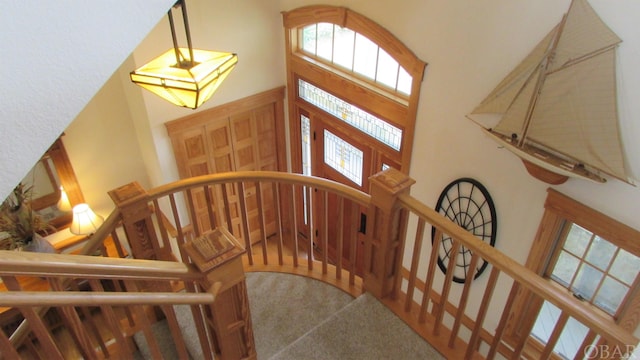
103 147
469 47
56 56
250 28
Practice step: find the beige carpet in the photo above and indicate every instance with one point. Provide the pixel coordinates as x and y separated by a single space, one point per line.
296 318
285 307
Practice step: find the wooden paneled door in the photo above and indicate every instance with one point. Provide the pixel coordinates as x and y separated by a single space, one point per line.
191 146
339 157
241 136
254 148
222 153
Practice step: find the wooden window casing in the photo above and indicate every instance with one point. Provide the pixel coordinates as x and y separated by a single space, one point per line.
399 111
559 211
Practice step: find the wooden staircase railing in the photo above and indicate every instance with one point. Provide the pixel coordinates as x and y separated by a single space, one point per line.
392 261
99 303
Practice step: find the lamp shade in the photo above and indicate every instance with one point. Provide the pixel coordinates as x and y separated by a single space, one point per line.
63 203
85 221
187 83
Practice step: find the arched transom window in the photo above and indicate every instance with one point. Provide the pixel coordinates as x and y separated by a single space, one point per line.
349 77
354 52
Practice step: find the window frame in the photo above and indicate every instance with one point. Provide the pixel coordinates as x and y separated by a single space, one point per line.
560 210
397 110
375 83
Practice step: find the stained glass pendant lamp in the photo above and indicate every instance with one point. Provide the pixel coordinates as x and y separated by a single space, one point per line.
185 76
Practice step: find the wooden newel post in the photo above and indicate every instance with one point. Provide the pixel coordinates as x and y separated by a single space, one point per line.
217 254
131 200
386 228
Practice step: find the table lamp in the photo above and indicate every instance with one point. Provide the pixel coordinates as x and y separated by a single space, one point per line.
85 221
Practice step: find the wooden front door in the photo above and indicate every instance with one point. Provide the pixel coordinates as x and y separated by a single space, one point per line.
339 157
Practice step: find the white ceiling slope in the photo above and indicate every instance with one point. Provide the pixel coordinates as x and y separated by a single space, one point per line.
55 56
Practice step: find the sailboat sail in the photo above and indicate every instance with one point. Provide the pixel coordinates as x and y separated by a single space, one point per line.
560 101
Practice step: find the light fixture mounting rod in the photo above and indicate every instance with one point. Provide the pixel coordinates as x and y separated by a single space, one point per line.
179 57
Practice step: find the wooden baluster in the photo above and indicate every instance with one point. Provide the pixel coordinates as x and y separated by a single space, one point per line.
174 327
294 225
276 196
227 208
555 336
29 344
6 348
112 322
210 206
207 342
180 238
35 322
263 226
340 238
415 262
117 244
312 227
73 324
353 243
145 324
497 337
191 208
431 272
196 310
446 287
325 232
462 305
245 222
103 250
119 287
403 223
482 313
164 233
86 312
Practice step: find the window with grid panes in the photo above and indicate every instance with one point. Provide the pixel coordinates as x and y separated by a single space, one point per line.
591 255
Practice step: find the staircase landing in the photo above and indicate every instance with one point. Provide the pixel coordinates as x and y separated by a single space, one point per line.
296 318
299 318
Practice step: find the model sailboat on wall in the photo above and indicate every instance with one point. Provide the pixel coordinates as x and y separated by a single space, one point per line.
557 109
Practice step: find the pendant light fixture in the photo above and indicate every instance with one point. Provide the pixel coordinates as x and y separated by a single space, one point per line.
185 76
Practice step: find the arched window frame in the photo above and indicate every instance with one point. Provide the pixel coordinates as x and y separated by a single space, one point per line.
400 111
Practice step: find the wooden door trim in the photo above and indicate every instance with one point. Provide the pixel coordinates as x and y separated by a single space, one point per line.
226 110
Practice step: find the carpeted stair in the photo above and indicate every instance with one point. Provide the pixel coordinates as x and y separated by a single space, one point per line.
300 318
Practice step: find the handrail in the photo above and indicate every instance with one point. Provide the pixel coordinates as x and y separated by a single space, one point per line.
273 176
36 264
84 298
522 275
388 222
96 240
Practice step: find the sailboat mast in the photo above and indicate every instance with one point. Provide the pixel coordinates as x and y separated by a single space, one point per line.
541 78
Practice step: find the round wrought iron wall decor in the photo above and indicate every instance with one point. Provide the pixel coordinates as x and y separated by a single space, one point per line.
466 202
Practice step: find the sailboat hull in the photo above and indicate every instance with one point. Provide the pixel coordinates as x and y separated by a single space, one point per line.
543 165
543 174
